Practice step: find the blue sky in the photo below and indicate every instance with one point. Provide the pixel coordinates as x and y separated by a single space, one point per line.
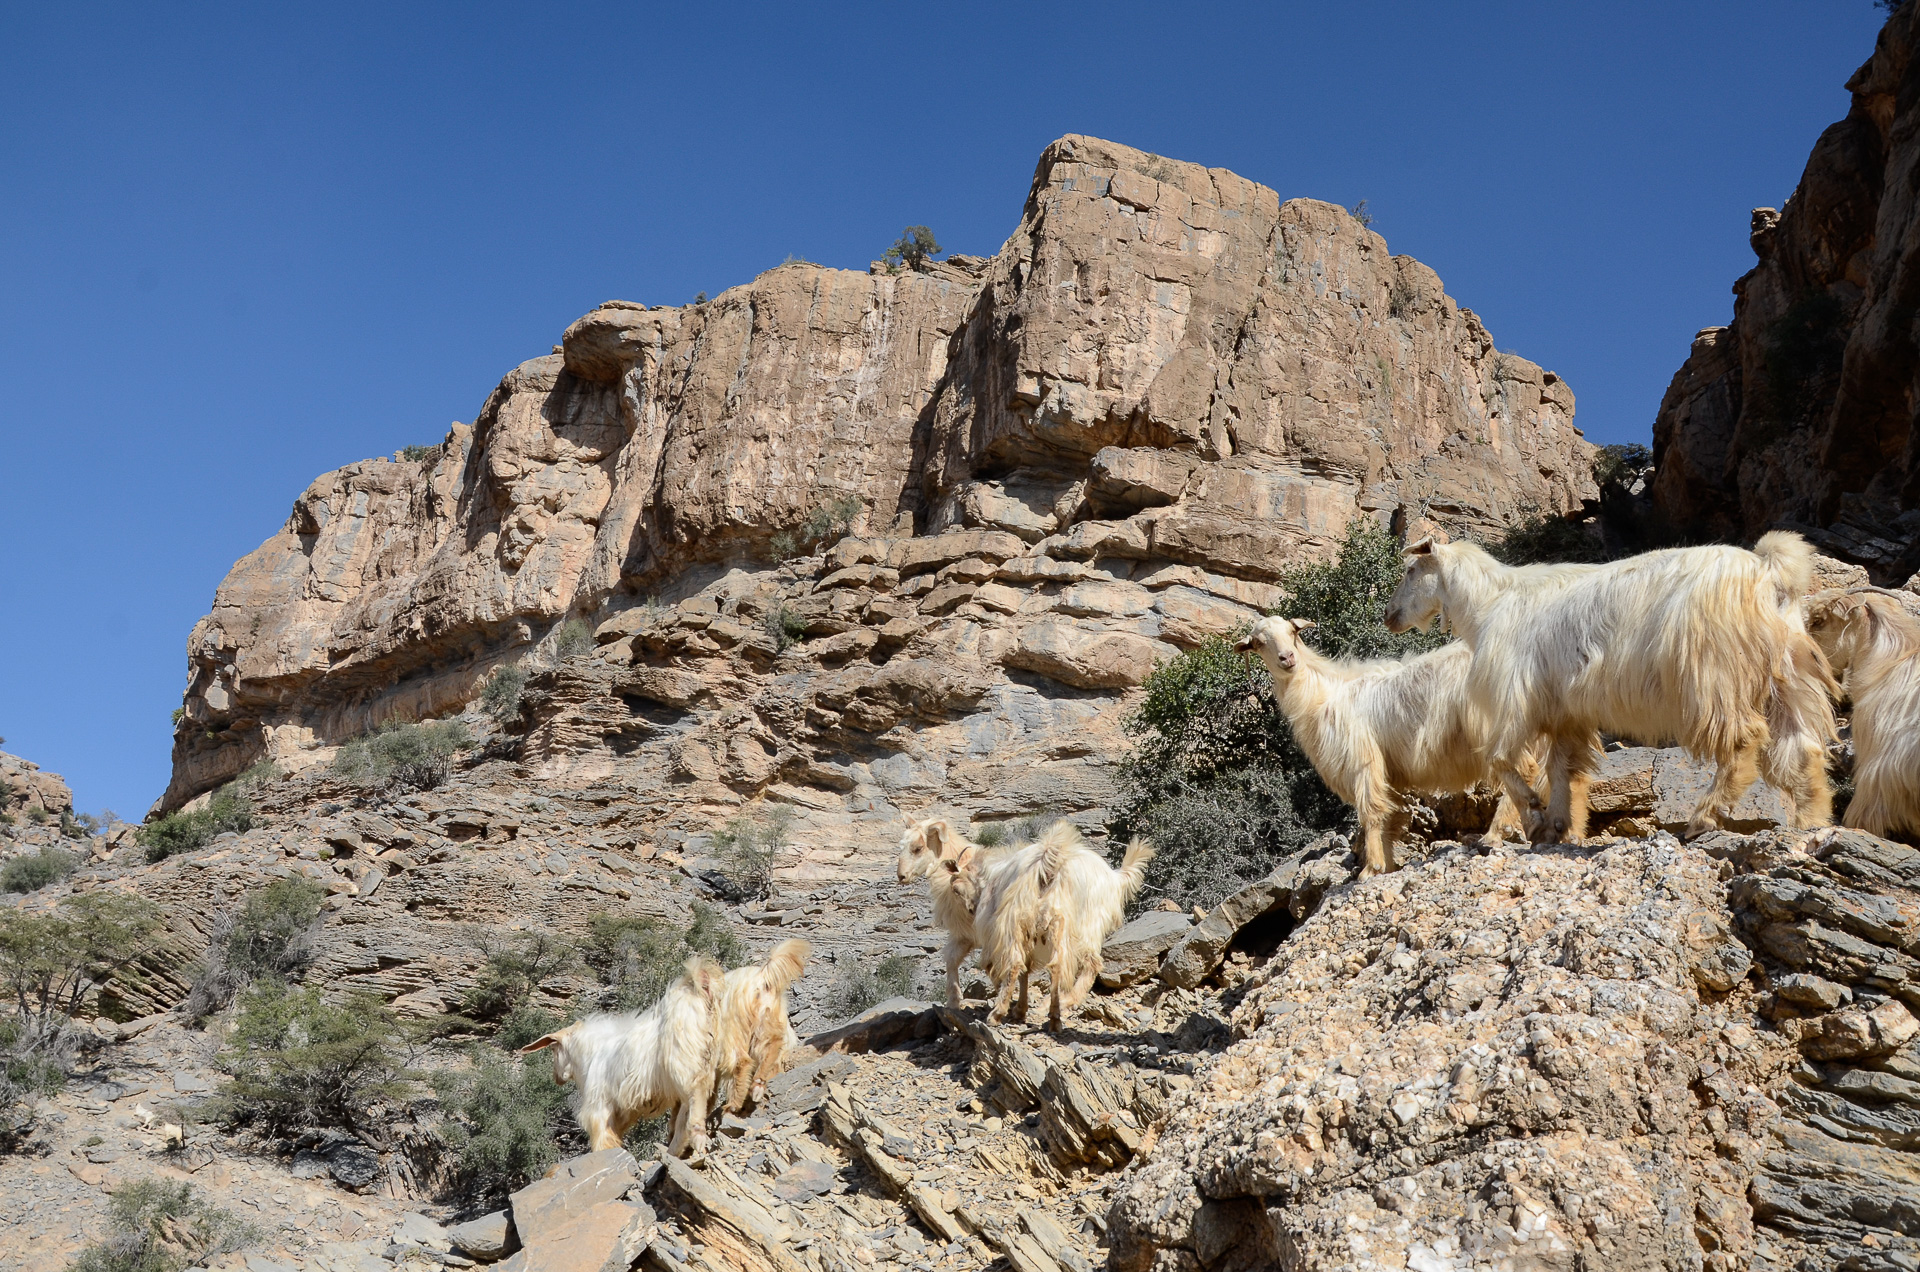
240 246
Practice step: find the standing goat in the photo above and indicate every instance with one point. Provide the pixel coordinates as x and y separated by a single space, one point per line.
1875 645
1380 727
751 1030
933 850
632 1065
1703 646
1050 905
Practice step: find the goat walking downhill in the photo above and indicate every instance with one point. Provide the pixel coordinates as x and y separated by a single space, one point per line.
751 1029
1701 646
635 1065
1875 646
1051 905
1377 728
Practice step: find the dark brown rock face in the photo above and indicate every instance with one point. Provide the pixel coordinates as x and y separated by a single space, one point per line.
1801 411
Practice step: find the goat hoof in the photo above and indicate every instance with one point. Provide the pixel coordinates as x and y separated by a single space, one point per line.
1701 825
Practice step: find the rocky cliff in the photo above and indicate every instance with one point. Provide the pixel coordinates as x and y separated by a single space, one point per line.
1801 411
1059 464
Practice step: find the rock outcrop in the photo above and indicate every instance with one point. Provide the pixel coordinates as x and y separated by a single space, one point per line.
1801 411
30 796
1056 465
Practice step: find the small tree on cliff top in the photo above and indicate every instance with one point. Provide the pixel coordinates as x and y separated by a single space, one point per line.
913 248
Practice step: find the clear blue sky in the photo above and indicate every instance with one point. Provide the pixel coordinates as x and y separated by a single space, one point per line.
240 246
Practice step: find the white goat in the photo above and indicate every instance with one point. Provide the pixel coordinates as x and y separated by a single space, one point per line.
1875 645
1701 646
635 1065
933 850
751 1029
1050 905
1380 727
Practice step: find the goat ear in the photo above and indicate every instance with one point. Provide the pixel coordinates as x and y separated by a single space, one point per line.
541 1043
1423 548
1304 624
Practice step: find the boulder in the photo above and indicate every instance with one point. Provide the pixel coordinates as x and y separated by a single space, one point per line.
1133 953
1085 656
573 1187
487 1239
1290 892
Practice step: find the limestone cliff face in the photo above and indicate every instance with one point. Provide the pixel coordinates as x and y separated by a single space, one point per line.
1069 460
1801 411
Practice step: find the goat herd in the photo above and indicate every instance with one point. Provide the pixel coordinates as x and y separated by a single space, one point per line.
1718 649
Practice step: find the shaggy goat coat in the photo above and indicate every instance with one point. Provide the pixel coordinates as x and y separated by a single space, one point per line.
635 1065
1051 905
1705 647
933 850
751 1030
1380 727
1875 645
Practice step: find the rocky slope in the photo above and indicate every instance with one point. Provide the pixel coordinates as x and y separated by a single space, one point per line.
1060 463
1801 411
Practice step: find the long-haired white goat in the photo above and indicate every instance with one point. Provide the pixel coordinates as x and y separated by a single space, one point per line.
751 1029
1377 728
1875 645
932 849
633 1065
1051 905
1705 647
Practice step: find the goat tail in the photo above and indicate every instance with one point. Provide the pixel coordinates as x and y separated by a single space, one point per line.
1055 847
1789 559
1133 867
785 963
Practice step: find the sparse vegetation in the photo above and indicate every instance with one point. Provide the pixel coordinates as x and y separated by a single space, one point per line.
517 964
636 957
159 1225
747 847
30 874
785 626
500 696
574 638
1346 596
1360 213
297 1061
1503 365
401 756
1020 830
269 935
49 965
825 524
1621 463
1402 297
860 987
505 1121
229 809
914 248
179 714
1536 537
414 454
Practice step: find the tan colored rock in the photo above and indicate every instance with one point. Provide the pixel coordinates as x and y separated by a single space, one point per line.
1087 657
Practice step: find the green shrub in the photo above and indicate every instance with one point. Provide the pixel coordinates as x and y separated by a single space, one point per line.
505 1118
786 627
860 986
1360 213
1403 298
29 874
636 957
1020 830
1345 597
187 831
825 524
573 639
747 848
500 696
1537 537
38 816
179 714
402 756
1620 463
270 934
413 454
296 1061
49 964
158 1225
517 964
913 248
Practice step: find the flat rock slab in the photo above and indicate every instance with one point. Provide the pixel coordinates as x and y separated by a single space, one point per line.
881 1026
570 1189
803 1179
190 1083
605 1237
1133 953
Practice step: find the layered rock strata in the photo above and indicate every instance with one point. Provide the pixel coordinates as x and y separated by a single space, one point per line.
1801 411
1051 468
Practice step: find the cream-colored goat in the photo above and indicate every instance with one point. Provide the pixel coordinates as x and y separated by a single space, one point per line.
1051 905
636 1065
932 849
1377 728
751 1028
1875 646
1705 647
